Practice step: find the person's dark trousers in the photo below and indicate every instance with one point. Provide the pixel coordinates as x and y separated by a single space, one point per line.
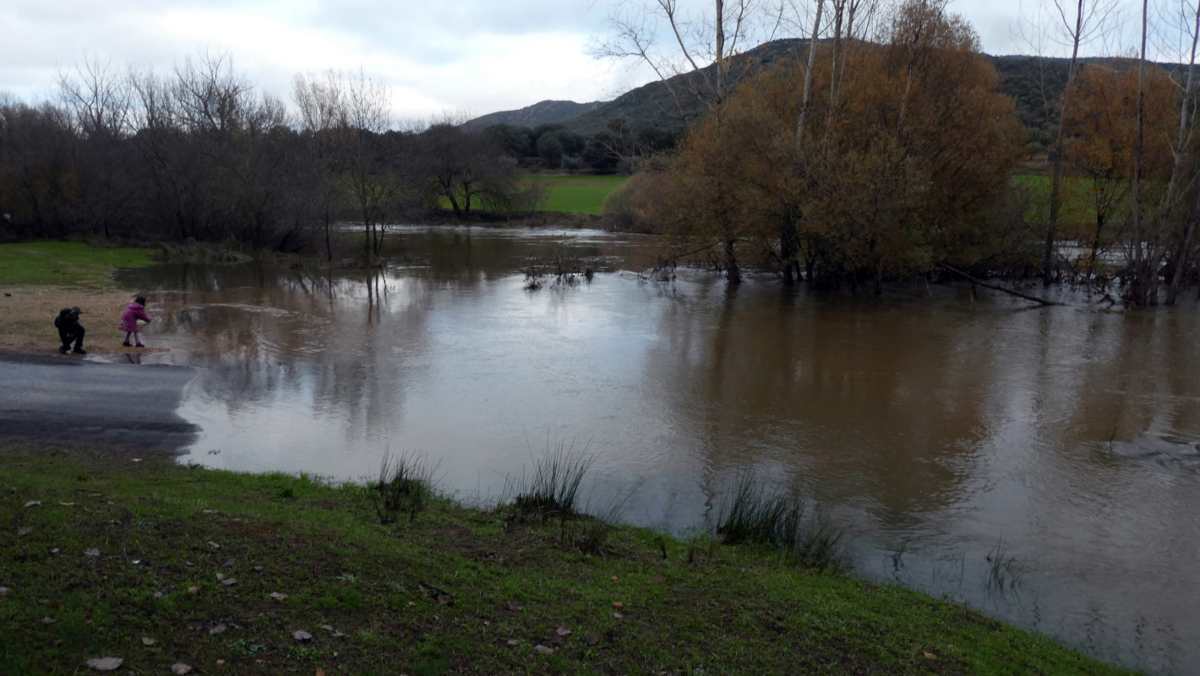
67 337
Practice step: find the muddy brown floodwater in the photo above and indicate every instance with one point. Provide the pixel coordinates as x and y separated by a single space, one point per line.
936 429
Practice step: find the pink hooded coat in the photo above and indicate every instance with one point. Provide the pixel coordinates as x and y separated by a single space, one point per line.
130 317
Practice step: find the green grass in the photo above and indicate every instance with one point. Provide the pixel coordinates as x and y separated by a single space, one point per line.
1078 215
456 589
66 263
577 194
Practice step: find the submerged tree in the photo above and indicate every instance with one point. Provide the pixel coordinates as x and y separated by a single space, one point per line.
903 164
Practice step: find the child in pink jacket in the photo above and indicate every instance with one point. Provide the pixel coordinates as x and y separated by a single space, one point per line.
129 320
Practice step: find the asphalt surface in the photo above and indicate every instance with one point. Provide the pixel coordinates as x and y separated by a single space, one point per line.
68 400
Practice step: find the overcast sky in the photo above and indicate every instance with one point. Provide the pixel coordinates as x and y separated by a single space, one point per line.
437 56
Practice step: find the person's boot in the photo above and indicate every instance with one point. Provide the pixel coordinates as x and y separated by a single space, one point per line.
79 350
126 344
139 345
63 349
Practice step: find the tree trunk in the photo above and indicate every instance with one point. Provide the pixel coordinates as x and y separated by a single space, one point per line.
1145 271
1056 157
732 272
1185 119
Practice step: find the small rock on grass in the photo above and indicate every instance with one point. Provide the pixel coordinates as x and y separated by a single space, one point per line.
180 669
22 532
33 503
543 650
301 636
4 591
219 629
562 632
105 663
91 553
276 596
229 581
147 641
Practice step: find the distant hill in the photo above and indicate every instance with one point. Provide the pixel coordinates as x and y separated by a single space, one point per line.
1033 83
542 112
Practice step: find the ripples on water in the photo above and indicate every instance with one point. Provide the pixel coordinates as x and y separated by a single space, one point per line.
934 427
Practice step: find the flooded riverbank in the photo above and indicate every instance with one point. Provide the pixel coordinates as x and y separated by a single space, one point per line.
938 430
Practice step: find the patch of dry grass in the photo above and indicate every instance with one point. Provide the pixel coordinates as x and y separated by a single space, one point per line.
27 317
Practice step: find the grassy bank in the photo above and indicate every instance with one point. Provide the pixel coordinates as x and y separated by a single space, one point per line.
159 564
66 263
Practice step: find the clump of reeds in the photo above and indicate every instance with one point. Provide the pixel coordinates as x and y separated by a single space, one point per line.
1004 573
405 486
755 515
553 487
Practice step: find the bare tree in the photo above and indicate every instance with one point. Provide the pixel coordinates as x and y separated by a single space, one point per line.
702 49
1182 148
319 102
99 103
1082 21
364 117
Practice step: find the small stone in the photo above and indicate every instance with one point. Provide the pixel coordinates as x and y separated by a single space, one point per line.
91 553
105 663
33 503
137 459
147 641
512 642
22 532
219 629
193 590
4 591
220 663
220 576
47 620
617 605
55 551
543 650
67 504
562 632
258 569
208 511
301 636
229 581
213 545
278 596
159 595
180 669
618 616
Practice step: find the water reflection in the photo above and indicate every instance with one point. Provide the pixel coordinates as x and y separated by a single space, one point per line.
936 427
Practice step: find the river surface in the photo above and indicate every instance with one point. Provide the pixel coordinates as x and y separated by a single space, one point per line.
937 429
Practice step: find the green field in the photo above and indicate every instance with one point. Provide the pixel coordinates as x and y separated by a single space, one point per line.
577 194
66 263
1078 215
143 559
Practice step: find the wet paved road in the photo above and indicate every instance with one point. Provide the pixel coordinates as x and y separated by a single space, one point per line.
70 400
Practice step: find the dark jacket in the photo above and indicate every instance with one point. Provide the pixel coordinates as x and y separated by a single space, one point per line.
67 321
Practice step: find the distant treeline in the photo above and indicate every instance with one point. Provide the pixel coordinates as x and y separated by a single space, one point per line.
200 154
555 147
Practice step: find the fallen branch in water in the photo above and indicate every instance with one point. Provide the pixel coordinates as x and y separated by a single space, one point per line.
979 282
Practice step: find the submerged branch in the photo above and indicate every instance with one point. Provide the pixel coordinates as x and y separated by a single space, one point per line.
995 287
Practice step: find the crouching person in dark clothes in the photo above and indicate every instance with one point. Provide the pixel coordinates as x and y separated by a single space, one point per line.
70 330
